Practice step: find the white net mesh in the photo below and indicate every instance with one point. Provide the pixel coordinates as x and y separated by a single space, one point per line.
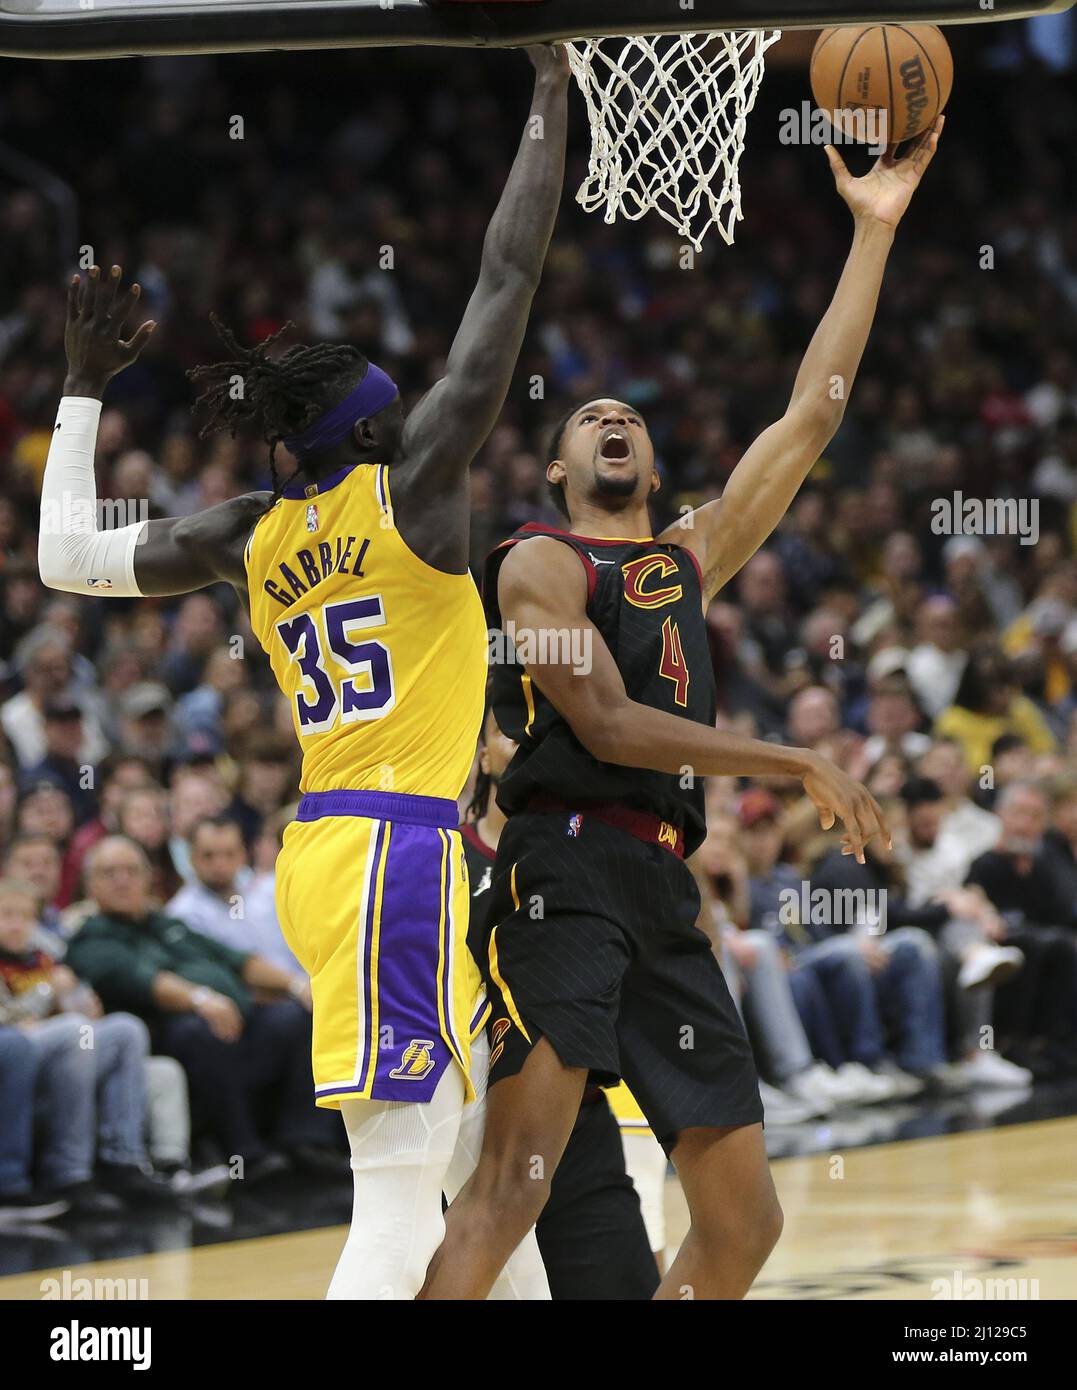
668 119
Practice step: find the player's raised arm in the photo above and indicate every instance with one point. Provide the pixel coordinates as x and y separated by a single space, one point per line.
725 534
542 588
451 423
170 556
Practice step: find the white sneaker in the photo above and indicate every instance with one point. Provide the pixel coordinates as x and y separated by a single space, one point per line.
989 965
815 1087
782 1109
987 1069
867 1087
844 1087
907 1084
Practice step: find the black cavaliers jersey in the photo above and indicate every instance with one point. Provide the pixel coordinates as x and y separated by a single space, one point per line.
646 600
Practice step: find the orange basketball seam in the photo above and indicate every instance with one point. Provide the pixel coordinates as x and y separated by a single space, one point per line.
889 72
845 66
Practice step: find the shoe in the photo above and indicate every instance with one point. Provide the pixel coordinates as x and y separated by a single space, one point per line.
200 1182
323 1162
948 1078
866 1087
135 1187
907 1084
89 1202
31 1206
782 1109
815 1087
261 1169
989 965
987 1069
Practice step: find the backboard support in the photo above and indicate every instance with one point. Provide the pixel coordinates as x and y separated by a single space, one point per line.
119 28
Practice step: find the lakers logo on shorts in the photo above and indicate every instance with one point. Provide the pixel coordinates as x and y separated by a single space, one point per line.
497 1036
416 1062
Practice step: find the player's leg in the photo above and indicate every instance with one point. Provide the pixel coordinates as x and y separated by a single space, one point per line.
736 1216
557 956
591 1232
400 1154
687 1061
524 1276
529 1118
393 986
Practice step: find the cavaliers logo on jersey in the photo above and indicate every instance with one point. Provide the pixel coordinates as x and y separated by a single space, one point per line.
645 585
416 1062
498 1031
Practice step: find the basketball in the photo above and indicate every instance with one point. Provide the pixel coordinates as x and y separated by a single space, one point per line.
900 73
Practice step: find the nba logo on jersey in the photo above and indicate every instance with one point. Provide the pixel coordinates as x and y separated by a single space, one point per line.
575 824
416 1062
312 517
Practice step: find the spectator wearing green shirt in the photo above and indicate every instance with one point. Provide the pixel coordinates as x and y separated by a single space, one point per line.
239 1024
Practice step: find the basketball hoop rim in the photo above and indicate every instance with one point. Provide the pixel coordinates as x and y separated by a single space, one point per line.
230 27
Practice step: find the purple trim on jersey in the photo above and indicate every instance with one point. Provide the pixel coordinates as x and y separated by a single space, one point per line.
300 491
409 951
433 811
478 1016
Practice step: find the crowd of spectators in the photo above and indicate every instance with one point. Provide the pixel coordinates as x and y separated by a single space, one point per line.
148 766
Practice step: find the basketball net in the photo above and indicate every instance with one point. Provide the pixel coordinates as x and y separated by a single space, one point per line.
668 119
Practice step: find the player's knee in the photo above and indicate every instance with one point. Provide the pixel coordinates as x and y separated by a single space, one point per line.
749 1233
514 1189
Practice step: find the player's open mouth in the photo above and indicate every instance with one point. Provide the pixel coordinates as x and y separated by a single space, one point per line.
615 446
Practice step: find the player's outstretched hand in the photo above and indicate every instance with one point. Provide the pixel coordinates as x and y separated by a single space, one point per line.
93 338
884 192
549 59
837 797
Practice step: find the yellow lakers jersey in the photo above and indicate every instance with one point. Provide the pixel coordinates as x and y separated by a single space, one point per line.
382 657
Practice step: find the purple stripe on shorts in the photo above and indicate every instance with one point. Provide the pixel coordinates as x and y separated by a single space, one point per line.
368 940
411 1043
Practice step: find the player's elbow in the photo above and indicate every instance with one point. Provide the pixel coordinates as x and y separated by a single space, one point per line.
54 568
603 733
814 423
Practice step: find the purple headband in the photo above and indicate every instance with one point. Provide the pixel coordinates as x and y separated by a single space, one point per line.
374 393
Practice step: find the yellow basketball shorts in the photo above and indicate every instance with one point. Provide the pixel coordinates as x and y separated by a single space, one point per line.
372 896
627 1111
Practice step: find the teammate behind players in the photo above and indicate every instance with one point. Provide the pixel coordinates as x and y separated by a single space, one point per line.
355 570
600 968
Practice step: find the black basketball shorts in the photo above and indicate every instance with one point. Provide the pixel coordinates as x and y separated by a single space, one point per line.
594 947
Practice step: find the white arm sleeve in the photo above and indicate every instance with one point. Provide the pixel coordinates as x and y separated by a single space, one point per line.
72 554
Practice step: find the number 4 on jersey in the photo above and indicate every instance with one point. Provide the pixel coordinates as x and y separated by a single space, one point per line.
673 665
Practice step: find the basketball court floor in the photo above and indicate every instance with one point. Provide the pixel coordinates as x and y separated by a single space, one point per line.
919 1218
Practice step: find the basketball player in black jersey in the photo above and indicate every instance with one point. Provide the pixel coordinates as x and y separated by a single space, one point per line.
600 969
591 1233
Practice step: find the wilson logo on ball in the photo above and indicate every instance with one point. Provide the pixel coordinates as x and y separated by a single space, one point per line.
914 82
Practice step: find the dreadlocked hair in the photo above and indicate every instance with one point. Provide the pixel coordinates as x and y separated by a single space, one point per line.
280 396
477 806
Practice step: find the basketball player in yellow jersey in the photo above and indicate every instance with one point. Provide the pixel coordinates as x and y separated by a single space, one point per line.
355 569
